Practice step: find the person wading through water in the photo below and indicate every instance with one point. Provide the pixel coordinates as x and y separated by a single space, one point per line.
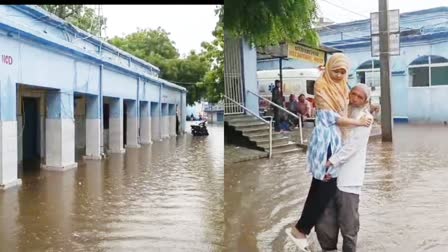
331 96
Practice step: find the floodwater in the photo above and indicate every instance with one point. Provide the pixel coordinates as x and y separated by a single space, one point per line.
403 205
167 196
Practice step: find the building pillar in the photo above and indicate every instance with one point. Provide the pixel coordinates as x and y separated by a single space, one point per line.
183 113
172 120
145 123
155 121
93 127
60 132
165 121
8 135
116 126
132 125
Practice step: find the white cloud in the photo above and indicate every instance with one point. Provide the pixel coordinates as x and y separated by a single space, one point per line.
188 25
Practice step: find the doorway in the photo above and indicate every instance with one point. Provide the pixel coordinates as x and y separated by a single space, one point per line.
30 129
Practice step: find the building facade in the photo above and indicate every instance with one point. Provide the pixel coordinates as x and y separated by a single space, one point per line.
419 83
62 89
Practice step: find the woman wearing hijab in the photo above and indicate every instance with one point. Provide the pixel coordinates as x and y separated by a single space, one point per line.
331 96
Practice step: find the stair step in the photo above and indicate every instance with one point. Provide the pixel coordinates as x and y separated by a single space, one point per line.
286 151
253 128
241 119
275 142
274 134
247 124
238 116
265 137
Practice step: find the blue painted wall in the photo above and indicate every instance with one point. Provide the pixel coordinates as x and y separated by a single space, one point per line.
145 109
164 109
93 107
60 105
155 109
250 76
49 53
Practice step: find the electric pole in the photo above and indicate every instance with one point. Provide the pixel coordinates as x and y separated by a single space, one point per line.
386 106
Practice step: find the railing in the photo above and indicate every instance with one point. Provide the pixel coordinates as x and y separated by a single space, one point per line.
233 74
283 109
259 117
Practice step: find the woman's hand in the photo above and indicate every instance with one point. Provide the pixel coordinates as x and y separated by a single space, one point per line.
327 177
365 122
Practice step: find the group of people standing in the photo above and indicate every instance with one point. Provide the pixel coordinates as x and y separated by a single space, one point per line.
336 159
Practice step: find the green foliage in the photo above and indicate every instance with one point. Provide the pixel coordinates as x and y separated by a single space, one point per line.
148 44
269 22
79 15
214 53
202 74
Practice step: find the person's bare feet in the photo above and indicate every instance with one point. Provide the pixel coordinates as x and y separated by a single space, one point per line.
297 234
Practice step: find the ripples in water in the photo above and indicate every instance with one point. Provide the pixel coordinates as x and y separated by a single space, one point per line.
402 207
164 197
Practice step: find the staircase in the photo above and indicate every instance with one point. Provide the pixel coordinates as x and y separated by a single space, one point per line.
257 132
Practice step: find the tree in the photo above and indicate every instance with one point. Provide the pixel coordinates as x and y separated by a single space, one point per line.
148 44
269 22
214 52
155 47
79 15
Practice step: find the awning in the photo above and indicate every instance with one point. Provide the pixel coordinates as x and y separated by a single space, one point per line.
297 51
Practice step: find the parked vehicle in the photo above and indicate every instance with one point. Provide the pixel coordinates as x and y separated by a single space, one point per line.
199 129
295 81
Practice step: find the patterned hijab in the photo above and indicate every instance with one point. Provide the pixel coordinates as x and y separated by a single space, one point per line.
330 94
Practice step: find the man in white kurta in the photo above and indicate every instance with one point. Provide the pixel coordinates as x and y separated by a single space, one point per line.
342 211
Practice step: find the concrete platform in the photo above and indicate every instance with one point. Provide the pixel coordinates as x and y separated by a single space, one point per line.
236 154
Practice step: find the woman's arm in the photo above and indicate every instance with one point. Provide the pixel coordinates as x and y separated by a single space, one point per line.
345 121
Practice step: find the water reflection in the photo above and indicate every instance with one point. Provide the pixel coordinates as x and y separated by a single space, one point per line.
402 204
164 197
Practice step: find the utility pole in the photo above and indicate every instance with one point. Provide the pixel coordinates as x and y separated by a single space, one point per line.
386 106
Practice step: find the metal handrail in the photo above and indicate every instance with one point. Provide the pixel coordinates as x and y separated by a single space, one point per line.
259 117
283 109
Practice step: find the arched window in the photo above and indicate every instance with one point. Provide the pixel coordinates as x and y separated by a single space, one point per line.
369 73
428 70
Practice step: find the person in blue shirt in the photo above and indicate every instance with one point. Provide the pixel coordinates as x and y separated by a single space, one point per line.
331 96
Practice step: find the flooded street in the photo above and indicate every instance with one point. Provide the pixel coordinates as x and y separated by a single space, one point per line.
167 196
403 203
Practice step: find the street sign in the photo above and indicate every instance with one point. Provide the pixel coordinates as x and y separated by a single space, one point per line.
394 33
300 52
394 22
394 44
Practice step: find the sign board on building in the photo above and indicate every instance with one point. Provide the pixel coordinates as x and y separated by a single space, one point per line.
295 51
300 52
394 44
394 22
394 33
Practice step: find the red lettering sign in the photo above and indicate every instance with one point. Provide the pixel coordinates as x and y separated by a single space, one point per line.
6 59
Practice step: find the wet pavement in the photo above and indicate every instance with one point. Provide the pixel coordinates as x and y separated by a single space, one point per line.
167 196
402 208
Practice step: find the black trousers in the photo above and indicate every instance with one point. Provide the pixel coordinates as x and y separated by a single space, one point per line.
319 196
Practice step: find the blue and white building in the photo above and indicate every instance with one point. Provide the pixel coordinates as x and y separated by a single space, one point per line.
419 84
63 90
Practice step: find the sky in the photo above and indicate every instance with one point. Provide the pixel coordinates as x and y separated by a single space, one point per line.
350 10
188 25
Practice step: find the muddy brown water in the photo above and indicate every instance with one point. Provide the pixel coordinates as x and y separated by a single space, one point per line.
403 203
167 196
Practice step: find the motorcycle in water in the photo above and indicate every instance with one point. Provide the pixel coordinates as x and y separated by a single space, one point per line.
199 130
